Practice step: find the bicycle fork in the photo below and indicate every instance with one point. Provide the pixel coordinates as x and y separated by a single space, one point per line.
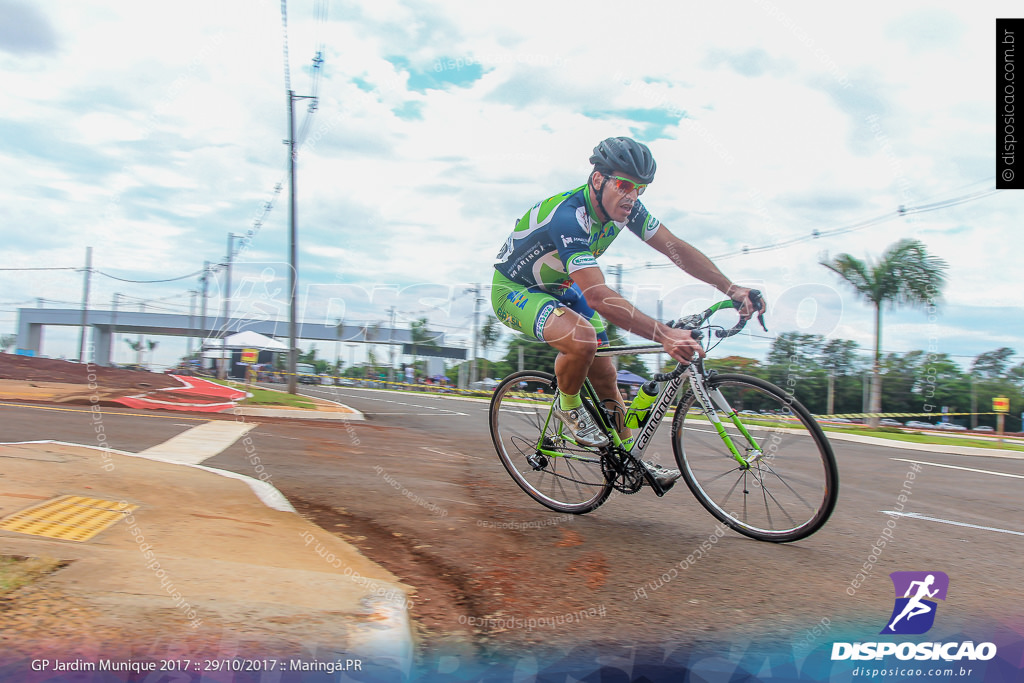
708 399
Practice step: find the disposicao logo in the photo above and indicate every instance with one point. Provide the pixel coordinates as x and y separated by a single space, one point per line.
913 613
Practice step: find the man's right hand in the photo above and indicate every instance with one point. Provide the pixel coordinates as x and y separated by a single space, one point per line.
680 344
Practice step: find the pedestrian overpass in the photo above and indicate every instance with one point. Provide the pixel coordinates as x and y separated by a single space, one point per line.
105 324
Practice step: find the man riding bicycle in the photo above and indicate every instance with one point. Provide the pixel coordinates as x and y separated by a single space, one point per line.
547 283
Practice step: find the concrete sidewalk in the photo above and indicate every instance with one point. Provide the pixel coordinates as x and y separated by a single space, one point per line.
202 547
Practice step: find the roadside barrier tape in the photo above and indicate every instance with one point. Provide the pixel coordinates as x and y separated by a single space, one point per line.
931 414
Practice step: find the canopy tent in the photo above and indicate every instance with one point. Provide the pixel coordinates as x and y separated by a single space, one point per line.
627 377
246 340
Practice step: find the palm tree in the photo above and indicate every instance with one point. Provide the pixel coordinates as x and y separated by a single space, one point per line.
137 347
906 275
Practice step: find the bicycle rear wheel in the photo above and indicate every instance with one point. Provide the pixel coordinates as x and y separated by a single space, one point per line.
565 477
785 494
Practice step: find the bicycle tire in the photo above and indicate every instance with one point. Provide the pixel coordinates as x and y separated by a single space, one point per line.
573 483
797 477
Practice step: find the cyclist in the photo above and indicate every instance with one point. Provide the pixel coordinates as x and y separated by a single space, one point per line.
547 283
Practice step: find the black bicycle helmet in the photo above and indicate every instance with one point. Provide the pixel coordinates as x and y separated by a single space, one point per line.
624 155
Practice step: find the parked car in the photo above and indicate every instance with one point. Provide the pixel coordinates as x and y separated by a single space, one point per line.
983 428
889 422
952 426
306 373
917 424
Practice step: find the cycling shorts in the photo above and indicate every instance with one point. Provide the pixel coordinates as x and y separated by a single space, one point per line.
526 309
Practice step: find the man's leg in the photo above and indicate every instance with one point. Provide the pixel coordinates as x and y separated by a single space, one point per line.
605 380
576 342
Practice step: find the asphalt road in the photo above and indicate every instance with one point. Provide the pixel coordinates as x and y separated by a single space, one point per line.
418 488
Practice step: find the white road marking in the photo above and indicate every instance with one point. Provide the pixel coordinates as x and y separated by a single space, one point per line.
966 469
449 453
452 500
440 411
200 443
914 515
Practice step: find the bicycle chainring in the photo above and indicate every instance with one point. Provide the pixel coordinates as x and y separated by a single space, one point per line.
630 479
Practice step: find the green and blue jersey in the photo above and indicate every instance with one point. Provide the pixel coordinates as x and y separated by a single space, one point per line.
561 235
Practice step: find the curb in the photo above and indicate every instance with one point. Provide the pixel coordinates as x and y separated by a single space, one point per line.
386 634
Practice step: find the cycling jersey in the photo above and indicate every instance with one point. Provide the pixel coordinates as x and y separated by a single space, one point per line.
555 238
561 235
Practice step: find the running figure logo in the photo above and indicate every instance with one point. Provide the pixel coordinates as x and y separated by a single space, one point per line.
914 612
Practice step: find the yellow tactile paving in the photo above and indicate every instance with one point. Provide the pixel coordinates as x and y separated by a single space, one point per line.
68 518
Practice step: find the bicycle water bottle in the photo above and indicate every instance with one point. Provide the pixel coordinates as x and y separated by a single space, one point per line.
640 408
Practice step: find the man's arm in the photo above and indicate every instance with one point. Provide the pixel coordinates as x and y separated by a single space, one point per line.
691 260
618 311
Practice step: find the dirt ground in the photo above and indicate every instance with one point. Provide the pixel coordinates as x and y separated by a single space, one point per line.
109 382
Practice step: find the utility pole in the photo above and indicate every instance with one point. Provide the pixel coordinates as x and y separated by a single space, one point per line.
391 347
113 329
227 283
225 326
475 289
85 303
191 320
205 279
293 258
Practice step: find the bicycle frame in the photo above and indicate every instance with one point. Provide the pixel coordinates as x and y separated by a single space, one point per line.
694 373
707 399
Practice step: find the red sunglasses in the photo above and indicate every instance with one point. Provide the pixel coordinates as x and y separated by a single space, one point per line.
625 185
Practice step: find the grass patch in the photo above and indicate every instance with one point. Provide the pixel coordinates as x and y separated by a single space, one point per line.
921 437
266 397
16 571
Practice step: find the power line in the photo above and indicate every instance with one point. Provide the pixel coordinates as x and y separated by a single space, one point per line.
147 282
860 225
61 268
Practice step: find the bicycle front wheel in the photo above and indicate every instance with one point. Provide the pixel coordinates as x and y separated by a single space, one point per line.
553 470
791 484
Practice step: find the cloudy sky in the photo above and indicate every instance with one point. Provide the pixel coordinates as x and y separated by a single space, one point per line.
151 132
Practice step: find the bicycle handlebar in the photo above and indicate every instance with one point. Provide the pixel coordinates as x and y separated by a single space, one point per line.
694 322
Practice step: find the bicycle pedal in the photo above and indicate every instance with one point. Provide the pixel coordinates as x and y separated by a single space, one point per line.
537 461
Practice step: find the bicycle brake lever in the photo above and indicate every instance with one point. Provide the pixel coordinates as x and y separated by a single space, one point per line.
757 299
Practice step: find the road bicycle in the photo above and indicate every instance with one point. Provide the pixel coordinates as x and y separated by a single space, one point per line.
747 449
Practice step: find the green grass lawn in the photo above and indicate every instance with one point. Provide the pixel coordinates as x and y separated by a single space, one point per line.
921 437
266 397
884 433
